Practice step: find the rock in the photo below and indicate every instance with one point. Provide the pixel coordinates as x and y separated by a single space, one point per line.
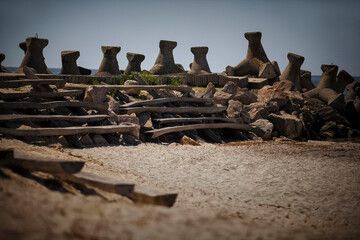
99 140
132 92
34 57
287 125
114 105
165 63
273 107
129 140
134 64
222 98
200 64
284 85
245 96
236 110
258 110
210 91
145 120
68 60
95 94
257 83
185 140
262 128
109 64
268 93
327 126
230 87
86 140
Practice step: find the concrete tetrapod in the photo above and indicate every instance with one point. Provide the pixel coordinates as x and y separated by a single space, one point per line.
165 63
254 61
34 57
68 60
109 64
200 64
2 68
292 71
134 64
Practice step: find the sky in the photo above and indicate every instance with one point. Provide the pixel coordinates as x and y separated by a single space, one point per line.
323 31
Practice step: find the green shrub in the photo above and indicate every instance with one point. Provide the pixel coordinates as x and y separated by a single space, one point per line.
95 82
175 81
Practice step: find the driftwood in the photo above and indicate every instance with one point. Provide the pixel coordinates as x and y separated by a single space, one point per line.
158 132
9 96
19 83
14 158
54 104
149 196
131 129
165 100
105 184
127 87
198 119
202 110
77 119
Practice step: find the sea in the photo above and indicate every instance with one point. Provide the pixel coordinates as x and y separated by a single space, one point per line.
315 78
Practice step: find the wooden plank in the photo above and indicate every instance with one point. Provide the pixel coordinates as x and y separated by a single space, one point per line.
14 158
19 83
77 119
202 110
165 100
198 119
127 87
131 129
17 95
150 196
103 183
158 132
53 104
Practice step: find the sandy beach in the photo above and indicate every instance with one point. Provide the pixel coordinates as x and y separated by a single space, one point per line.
248 190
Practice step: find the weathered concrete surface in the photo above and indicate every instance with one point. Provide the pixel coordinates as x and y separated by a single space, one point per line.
69 65
200 64
109 64
292 71
134 64
165 63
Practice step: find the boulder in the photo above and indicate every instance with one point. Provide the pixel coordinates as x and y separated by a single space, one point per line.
245 96
258 110
99 140
185 140
114 105
132 92
222 98
268 93
95 94
287 125
210 91
262 128
237 110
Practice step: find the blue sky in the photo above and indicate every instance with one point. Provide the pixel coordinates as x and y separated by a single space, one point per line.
323 31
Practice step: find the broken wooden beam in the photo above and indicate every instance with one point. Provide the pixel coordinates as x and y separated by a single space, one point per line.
16 159
16 95
201 110
77 119
127 87
149 196
131 129
24 82
103 183
158 132
53 104
165 100
196 119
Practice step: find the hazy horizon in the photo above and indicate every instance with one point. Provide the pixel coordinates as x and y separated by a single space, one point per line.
324 32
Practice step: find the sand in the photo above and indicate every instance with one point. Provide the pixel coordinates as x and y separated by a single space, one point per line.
248 190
